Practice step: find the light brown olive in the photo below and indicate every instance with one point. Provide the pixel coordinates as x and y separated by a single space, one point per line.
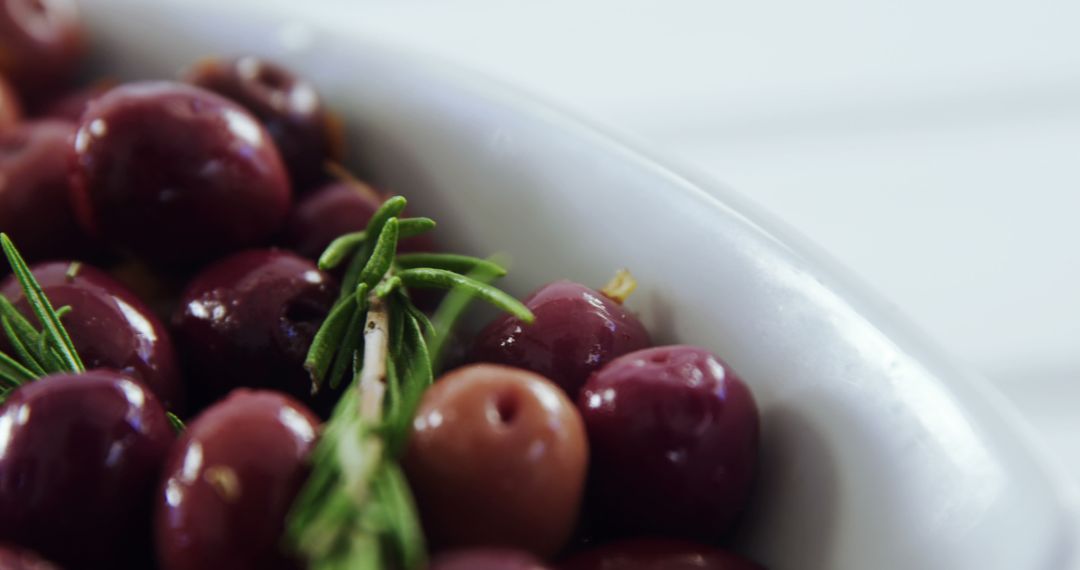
497 459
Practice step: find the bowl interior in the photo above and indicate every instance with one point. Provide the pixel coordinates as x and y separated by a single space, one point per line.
877 452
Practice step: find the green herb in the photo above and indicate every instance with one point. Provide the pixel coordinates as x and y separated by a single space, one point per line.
356 510
38 353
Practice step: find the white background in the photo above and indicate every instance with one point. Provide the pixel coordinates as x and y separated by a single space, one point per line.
933 146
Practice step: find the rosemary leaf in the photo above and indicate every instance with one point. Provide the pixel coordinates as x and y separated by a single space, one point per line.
449 313
41 307
340 249
175 421
412 227
403 522
450 262
12 373
382 256
24 334
328 340
349 344
389 209
30 362
442 279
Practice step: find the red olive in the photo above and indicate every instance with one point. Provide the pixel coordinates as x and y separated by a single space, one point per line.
497 458
15 558
79 459
109 326
287 106
229 482
673 434
176 173
327 213
248 321
41 42
577 331
657 554
34 188
486 559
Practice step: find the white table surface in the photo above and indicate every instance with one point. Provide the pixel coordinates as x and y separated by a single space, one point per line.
932 145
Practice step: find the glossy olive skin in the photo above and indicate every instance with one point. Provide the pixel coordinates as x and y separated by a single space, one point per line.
324 214
229 482
248 321
176 174
78 467
41 43
288 107
577 331
674 438
10 108
505 446
34 187
486 559
16 558
657 554
109 326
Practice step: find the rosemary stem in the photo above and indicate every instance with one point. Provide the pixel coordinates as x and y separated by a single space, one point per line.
372 385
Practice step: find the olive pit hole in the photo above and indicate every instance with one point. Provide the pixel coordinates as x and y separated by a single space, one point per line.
507 406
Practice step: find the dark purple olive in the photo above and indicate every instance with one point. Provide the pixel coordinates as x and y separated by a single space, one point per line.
248 321
486 559
16 558
657 554
333 211
327 213
505 446
577 331
10 109
229 482
34 187
176 174
70 106
80 456
109 326
288 107
673 434
41 42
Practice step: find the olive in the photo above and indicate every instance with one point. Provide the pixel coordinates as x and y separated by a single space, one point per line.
34 187
41 42
287 106
577 331
229 481
657 554
248 321
15 558
176 174
109 326
673 434
10 109
327 213
79 459
497 458
486 559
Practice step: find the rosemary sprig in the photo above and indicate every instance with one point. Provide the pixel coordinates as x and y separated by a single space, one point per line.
356 510
36 353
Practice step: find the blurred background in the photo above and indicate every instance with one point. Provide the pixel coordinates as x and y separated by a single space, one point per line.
932 146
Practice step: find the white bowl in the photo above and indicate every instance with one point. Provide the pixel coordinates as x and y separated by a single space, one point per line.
877 451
